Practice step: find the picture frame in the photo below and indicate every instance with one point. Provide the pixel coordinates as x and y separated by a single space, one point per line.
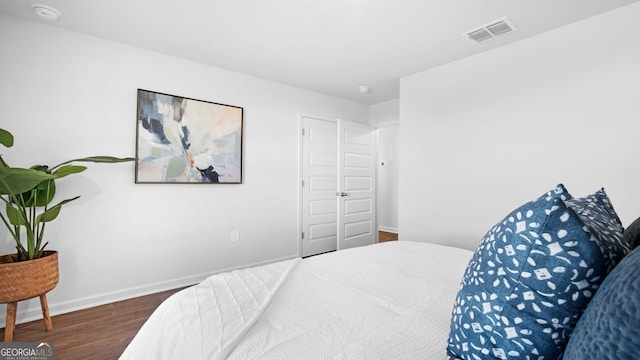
187 141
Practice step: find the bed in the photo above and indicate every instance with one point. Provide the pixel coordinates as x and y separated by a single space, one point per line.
418 300
362 303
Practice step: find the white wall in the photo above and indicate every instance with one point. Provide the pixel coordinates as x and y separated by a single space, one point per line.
385 113
482 135
385 117
65 95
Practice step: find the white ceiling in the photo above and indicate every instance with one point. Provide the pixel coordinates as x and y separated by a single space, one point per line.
329 46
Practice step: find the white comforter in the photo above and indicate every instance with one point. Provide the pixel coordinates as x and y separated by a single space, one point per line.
385 301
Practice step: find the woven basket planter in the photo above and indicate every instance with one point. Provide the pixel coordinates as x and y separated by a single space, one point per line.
24 280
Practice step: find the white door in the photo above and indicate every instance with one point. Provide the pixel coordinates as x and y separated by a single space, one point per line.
319 185
356 185
338 185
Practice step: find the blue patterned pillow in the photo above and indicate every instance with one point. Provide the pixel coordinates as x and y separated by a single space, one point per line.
603 225
609 328
532 276
632 234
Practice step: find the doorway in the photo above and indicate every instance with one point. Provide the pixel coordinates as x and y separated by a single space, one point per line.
338 209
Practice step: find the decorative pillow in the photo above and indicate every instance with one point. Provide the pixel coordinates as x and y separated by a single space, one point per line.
609 328
532 276
632 234
604 225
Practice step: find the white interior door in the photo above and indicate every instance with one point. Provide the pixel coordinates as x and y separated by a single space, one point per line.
319 185
356 185
338 185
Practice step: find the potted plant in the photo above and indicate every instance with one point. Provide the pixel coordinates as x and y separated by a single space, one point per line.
27 196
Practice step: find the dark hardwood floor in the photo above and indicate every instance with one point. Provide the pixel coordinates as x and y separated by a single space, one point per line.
102 332
386 236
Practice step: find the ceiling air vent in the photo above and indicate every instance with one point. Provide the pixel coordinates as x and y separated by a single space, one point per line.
491 30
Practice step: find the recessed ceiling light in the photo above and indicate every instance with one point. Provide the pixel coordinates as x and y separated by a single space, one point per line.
45 11
364 89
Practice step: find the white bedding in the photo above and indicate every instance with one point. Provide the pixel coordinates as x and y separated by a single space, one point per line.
385 301
205 321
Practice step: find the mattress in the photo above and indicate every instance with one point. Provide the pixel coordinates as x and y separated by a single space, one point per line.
385 301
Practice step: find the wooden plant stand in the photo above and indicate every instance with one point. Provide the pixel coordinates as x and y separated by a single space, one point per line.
25 280
12 310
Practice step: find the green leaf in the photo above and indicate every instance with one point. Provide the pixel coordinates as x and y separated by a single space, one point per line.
6 138
43 168
15 216
97 159
49 215
68 170
52 213
105 159
45 192
15 181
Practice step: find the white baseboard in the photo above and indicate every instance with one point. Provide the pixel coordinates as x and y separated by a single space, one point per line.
388 229
29 310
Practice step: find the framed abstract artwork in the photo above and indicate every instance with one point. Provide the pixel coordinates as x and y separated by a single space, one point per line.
183 140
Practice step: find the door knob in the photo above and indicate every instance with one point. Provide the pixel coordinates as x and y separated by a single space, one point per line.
342 194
